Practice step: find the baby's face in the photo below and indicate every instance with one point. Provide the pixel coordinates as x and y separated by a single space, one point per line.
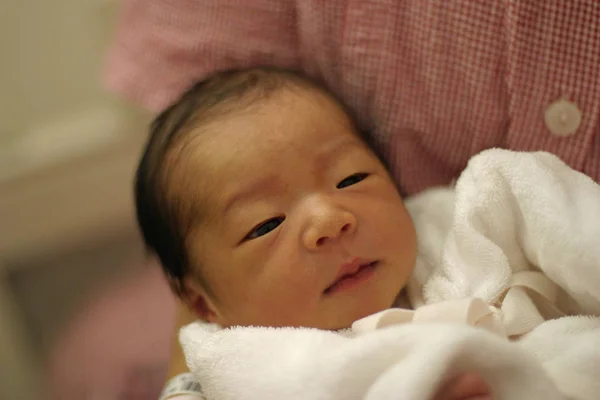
305 228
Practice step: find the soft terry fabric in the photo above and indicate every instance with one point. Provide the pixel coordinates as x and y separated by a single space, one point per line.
520 232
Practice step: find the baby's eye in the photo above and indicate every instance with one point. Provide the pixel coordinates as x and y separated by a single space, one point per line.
352 179
264 228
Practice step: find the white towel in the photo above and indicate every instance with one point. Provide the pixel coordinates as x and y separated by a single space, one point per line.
511 215
408 361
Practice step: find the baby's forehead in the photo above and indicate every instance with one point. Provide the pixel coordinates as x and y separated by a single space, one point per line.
260 138
285 111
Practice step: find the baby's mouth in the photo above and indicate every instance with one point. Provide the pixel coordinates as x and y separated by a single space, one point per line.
351 275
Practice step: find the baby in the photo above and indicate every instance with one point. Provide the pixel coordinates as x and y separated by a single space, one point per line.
268 206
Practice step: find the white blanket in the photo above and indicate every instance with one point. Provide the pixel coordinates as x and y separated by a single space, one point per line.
512 219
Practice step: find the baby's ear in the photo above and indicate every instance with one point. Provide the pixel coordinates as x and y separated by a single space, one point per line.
196 299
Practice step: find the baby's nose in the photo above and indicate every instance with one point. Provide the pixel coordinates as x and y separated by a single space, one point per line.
330 223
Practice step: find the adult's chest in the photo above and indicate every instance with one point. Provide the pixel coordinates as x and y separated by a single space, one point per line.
441 81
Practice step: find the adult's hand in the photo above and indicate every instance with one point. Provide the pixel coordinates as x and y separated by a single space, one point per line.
468 386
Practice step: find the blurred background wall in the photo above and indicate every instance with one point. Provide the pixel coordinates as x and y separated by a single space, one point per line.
82 314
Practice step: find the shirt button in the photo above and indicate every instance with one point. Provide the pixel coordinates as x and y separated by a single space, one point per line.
562 118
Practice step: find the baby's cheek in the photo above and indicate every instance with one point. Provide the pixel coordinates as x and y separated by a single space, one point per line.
404 230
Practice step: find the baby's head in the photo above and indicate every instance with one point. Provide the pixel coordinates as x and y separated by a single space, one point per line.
267 207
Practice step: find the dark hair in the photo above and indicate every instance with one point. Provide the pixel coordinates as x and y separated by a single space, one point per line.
166 217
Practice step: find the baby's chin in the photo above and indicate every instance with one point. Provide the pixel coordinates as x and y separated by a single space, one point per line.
375 300
346 323
335 316
341 321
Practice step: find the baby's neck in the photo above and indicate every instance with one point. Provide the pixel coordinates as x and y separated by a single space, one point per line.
402 301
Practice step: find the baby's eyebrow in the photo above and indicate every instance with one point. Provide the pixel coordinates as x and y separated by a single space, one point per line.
261 187
329 155
270 185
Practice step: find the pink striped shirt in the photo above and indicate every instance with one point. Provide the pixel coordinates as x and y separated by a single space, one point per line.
438 80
